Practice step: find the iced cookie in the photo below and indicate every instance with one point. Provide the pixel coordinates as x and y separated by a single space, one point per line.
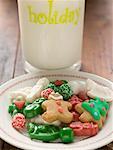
74 100
45 93
52 86
37 89
66 91
83 96
43 81
77 86
84 129
75 116
94 89
18 121
39 120
20 94
57 110
55 96
59 82
93 111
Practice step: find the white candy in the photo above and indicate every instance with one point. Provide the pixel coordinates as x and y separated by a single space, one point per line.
55 96
37 89
39 120
35 93
43 81
22 92
96 90
30 93
77 86
26 90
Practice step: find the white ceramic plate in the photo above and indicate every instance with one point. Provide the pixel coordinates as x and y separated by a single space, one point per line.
13 137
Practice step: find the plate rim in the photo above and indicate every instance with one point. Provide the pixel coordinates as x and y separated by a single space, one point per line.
27 76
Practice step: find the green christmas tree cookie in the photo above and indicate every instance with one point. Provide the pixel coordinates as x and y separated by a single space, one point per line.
94 110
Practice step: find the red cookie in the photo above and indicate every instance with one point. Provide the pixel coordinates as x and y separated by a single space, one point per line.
45 93
18 121
74 100
75 116
84 129
83 96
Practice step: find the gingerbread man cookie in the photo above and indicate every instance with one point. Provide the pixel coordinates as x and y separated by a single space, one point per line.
57 110
95 110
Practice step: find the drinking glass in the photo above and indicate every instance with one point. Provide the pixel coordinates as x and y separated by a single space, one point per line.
51 33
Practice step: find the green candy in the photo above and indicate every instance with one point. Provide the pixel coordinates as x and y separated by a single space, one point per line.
32 110
13 110
45 133
39 101
65 91
31 127
29 110
53 86
27 103
66 135
42 128
45 137
64 81
96 107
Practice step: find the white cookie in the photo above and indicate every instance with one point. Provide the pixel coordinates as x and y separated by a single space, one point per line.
39 120
96 90
35 93
43 81
55 96
37 89
20 93
77 86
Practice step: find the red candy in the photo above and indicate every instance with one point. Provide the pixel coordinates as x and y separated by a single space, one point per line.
58 82
18 121
84 129
74 100
19 104
45 93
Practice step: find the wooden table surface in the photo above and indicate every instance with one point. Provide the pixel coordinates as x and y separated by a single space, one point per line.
97 48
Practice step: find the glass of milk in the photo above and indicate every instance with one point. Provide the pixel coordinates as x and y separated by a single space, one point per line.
51 33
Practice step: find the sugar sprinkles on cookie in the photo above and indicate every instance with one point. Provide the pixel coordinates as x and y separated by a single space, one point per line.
60 110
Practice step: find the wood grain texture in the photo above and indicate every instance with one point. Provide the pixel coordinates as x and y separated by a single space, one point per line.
98 40
8 38
97 48
1 144
110 146
7 146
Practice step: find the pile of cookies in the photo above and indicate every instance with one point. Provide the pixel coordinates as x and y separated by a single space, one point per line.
60 109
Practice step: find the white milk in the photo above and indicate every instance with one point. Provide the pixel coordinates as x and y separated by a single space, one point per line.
51 32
